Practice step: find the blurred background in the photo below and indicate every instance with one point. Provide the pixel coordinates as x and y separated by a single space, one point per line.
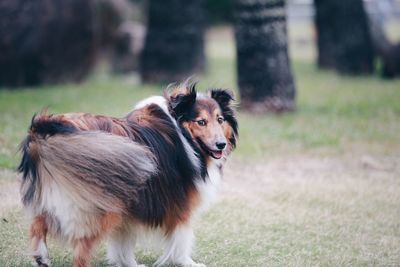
315 179
154 41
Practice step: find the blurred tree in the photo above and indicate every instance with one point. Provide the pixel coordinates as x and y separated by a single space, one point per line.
265 77
220 11
386 51
121 33
45 42
127 47
174 45
391 61
109 16
344 39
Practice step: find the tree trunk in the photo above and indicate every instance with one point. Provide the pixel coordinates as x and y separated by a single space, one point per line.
174 45
344 39
391 62
45 42
326 36
386 51
264 73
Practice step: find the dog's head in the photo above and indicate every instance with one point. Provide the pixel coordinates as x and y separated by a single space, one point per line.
209 118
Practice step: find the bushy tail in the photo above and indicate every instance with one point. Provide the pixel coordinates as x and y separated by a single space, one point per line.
95 168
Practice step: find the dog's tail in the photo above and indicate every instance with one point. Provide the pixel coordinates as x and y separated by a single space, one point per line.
95 169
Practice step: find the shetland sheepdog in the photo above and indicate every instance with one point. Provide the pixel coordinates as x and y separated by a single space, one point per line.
89 177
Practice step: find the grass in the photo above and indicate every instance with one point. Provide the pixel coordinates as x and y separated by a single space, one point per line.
334 113
318 187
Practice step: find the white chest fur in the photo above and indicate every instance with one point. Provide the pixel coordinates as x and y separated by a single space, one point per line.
209 188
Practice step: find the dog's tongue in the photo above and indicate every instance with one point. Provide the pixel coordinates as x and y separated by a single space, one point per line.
217 154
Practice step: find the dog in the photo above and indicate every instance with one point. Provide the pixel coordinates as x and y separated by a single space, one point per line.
89 177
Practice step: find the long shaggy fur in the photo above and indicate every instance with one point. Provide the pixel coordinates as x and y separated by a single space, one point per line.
105 168
85 176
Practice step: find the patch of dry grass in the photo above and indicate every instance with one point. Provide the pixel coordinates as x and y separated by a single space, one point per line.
289 211
301 211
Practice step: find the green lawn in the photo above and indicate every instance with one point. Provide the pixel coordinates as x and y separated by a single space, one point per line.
318 187
334 113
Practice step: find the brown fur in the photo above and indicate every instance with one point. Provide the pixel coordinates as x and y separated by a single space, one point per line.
38 232
38 227
87 121
83 248
228 133
110 221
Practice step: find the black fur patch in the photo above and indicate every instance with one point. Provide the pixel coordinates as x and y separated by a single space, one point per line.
183 103
47 126
166 192
28 168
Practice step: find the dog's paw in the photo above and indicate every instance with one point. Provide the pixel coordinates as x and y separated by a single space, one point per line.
39 261
193 264
130 265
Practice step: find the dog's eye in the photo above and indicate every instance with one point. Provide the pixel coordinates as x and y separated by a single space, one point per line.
202 122
220 120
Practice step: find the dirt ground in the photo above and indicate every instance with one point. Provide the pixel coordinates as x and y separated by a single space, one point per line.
249 179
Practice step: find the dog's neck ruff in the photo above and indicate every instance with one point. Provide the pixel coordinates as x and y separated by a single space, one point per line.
162 103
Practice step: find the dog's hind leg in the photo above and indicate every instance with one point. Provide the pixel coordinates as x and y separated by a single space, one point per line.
38 234
83 249
178 248
120 245
84 246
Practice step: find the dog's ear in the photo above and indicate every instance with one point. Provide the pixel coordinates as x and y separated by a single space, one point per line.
225 100
181 98
224 97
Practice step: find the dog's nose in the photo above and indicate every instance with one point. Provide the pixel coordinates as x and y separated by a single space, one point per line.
220 145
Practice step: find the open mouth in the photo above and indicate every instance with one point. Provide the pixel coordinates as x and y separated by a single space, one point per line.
216 154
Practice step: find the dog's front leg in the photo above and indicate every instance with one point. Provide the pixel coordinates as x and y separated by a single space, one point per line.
178 248
120 246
